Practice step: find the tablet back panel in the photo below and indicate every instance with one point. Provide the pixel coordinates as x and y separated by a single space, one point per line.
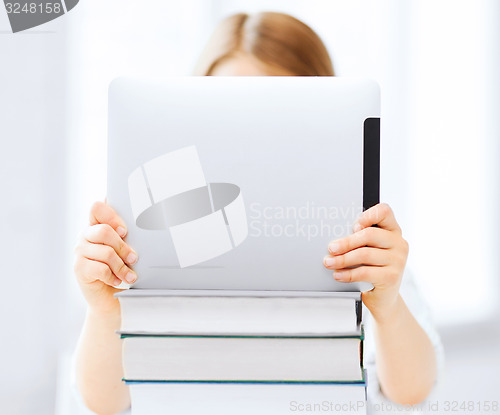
240 183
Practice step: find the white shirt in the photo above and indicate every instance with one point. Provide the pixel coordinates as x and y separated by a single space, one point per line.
415 302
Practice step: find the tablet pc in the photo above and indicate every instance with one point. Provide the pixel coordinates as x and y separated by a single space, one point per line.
240 183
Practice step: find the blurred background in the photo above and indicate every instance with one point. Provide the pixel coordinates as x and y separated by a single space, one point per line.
438 64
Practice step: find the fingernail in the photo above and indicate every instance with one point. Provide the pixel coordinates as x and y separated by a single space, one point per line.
123 285
329 261
121 231
130 277
333 247
339 275
356 227
132 258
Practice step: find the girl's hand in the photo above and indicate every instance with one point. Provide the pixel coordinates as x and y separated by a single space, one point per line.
102 259
378 254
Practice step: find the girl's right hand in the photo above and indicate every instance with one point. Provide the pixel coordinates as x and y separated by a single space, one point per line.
103 258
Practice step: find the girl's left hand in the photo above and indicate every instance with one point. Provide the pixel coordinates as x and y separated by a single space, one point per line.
379 255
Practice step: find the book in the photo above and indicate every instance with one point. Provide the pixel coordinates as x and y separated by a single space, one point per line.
189 398
245 352
242 358
221 312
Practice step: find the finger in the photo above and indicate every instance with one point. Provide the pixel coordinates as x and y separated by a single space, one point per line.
89 271
374 275
360 256
380 215
104 234
103 213
374 237
107 255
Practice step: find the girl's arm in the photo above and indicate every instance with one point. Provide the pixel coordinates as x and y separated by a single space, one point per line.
405 357
101 264
99 364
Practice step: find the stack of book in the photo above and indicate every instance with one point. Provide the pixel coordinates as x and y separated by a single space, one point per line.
242 352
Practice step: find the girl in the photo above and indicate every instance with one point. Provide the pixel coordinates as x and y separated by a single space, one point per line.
400 337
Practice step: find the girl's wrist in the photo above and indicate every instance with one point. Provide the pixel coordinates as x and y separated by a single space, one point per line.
111 314
387 313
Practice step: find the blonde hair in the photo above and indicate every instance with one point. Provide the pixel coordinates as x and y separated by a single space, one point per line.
276 39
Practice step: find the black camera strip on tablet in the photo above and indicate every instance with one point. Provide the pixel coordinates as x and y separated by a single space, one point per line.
371 162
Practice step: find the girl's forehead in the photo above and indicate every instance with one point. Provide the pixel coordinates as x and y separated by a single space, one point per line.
243 64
